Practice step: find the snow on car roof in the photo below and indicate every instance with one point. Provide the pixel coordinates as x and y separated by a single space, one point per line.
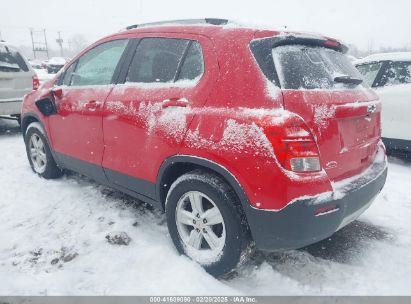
398 56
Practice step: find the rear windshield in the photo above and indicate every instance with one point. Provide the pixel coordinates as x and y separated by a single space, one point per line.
305 67
11 61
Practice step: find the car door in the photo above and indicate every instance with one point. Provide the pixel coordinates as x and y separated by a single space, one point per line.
76 130
394 90
145 119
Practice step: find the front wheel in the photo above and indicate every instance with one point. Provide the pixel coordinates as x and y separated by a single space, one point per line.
39 153
206 222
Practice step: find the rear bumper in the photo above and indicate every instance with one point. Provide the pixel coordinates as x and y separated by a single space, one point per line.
297 225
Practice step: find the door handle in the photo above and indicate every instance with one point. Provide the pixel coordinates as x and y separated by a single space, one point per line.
92 105
175 102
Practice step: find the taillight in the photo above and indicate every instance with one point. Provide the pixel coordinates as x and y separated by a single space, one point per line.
293 143
36 82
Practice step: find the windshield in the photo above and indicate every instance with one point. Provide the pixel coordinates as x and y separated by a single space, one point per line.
305 67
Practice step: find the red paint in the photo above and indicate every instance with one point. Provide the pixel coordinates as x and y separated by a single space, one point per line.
125 127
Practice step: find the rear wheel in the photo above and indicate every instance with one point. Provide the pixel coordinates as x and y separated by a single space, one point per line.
206 222
39 153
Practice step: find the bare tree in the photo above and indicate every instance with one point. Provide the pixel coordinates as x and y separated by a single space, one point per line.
77 42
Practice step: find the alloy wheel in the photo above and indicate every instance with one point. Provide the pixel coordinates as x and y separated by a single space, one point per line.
201 227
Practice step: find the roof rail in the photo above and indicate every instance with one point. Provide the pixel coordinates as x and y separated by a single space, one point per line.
213 21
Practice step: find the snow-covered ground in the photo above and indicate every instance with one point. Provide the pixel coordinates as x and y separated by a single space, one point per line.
52 241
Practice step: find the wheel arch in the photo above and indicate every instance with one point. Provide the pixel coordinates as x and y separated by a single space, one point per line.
27 119
175 166
31 117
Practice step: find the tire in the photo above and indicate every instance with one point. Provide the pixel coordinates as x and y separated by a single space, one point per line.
226 230
39 154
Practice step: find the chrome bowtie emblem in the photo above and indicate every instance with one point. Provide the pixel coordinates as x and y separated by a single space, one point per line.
372 108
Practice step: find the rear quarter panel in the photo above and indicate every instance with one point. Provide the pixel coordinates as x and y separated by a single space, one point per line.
226 130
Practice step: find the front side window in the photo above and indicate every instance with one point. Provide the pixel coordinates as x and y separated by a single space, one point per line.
97 66
396 73
369 71
157 60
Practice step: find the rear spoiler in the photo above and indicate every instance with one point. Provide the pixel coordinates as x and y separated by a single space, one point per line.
305 39
262 48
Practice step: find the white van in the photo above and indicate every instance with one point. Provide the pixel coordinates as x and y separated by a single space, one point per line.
390 75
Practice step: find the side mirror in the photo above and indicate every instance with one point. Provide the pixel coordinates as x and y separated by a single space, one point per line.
57 92
46 106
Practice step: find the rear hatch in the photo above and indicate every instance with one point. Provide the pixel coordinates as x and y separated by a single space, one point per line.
322 86
15 75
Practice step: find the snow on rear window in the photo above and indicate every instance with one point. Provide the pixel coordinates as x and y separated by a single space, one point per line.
304 67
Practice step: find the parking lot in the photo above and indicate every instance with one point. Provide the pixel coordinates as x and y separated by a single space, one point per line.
53 241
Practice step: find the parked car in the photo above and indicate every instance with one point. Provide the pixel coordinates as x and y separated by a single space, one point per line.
390 75
245 138
55 64
16 79
36 64
40 71
44 64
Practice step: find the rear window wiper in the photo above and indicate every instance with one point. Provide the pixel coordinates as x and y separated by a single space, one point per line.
348 80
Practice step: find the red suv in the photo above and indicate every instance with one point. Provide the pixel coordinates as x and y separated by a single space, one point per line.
244 137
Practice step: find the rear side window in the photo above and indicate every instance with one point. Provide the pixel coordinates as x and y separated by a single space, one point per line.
305 67
11 61
396 73
166 60
97 66
157 60
193 65
369 71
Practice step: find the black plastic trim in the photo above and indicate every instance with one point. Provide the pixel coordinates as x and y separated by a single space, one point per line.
25 117
297 225
135 187
141 186
183 58
90 170
187 159
24 126
123 65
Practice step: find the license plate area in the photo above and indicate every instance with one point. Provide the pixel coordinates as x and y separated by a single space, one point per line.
357 131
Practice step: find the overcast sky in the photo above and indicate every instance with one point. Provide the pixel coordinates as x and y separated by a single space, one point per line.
359 22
